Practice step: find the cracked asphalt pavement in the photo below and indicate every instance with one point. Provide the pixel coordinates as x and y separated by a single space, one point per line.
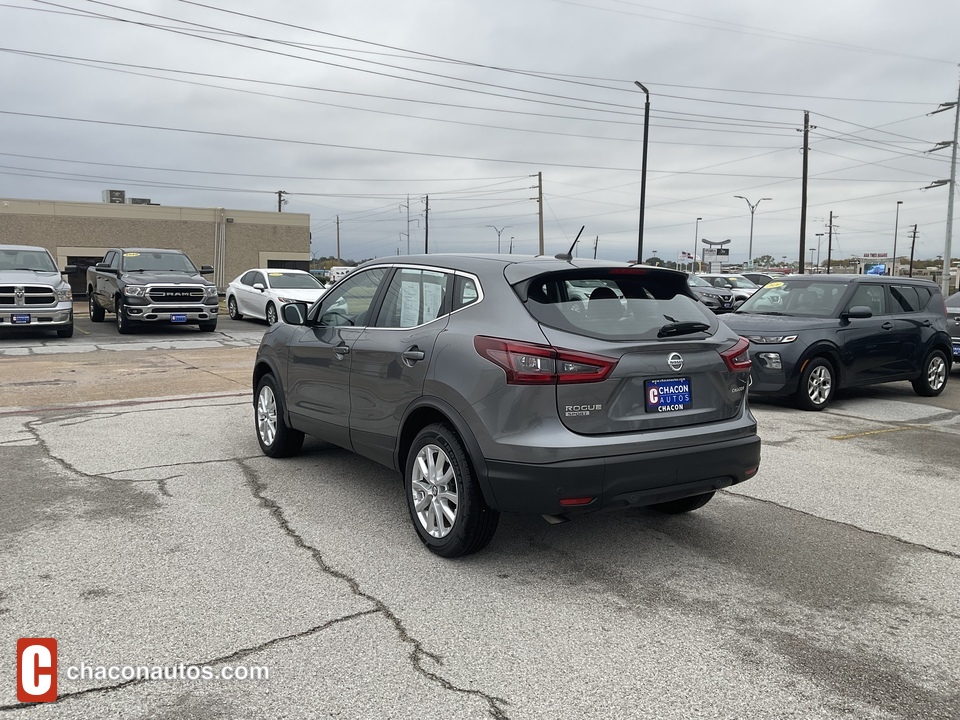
140 525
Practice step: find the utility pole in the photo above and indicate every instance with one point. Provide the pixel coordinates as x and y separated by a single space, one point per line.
896 223
829 241
595 243
819 238
338 238
913 242
540 205
280 201
426 225
952 189
803 192
407 206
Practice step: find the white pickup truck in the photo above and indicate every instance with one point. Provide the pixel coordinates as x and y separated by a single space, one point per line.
33 293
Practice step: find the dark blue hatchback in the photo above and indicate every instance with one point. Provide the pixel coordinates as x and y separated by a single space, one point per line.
811 335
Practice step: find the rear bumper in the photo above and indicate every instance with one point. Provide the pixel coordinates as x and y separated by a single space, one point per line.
622 481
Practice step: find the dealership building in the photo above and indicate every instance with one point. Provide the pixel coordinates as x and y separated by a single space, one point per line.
232 241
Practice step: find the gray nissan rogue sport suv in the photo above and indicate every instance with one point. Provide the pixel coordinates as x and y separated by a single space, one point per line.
494 386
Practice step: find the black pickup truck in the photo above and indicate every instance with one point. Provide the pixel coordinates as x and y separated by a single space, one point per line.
151 285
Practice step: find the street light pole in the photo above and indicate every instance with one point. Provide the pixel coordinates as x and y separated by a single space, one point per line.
643 168
499 230
819 238
753 207
896 225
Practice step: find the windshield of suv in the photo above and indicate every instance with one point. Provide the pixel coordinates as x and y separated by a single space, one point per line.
294 281
152 261
36 260
617 304
805 298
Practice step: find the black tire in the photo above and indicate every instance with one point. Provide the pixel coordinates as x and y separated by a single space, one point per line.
818 384
271 314
65 331
96 312
687 504
473 522
232 309
125 326
933 378
276 438
208 326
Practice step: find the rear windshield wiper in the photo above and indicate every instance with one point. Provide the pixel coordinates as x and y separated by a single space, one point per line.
682 328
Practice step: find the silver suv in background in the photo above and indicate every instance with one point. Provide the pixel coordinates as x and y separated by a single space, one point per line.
493 386
33 293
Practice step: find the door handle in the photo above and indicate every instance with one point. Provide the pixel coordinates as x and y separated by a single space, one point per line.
342 349
887 326
927 323
413 355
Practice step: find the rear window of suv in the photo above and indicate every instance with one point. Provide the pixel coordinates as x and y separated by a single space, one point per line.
616 304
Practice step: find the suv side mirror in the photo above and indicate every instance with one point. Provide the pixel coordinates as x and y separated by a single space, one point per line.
69 270
294 313
206 269
105 267
858 312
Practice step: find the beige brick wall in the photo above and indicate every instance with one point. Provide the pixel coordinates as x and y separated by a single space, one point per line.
252 238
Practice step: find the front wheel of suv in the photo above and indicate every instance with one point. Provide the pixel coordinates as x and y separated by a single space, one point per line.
817 385
276 438
933 378
443 495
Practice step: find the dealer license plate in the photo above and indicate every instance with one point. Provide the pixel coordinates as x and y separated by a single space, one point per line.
668 395
178 318
20 319
956 350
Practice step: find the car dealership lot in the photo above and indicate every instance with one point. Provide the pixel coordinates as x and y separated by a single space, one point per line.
143 531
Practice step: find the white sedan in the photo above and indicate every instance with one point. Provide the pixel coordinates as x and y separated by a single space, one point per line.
261 292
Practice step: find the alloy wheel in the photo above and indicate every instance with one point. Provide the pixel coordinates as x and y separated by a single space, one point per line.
936 372
819 385
435 491
267 415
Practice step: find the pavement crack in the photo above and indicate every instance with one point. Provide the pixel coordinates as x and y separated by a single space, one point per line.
221 660
909 543
209 372
418 653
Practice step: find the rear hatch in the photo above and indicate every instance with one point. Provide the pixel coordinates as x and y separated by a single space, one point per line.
669 362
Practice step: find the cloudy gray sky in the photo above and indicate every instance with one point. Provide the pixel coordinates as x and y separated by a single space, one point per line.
351 107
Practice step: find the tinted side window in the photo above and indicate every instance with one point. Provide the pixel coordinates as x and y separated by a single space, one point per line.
350 303
924 294
414 297
113 258
905 299
258 278
465 292
872 296
247 278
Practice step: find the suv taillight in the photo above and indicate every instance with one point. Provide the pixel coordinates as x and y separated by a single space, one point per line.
529 364
737 357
